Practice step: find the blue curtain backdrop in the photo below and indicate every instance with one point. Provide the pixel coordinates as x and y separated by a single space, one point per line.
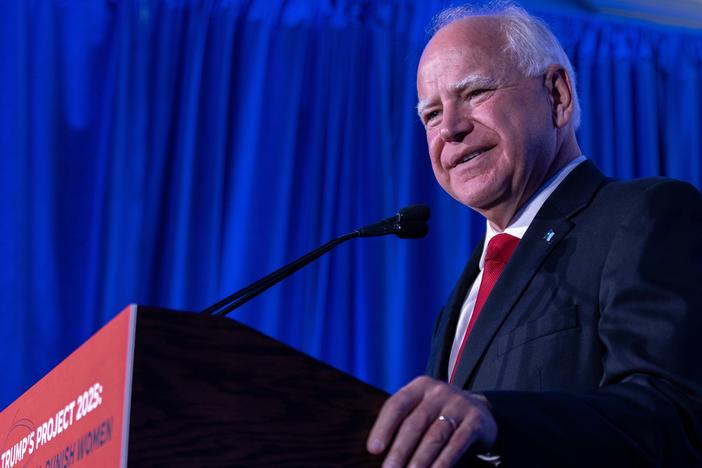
169 152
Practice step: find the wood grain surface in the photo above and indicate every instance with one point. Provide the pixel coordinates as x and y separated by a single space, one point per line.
210 392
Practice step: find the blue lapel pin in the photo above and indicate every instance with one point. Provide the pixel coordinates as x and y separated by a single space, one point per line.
549 235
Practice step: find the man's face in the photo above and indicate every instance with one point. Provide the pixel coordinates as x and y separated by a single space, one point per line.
489 128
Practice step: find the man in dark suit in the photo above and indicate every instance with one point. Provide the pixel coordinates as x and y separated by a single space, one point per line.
579 319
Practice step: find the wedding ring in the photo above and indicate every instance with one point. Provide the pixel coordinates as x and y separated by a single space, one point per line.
449 420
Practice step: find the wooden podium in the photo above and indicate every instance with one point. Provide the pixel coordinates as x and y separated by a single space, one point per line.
163 388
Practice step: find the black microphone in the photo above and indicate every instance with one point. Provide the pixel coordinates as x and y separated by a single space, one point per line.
409 223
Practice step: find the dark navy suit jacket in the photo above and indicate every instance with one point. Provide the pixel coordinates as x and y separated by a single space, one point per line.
589 347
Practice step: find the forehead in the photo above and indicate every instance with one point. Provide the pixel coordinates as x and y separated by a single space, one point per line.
471 46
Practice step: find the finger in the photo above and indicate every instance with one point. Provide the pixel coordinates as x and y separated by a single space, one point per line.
412 430
456 447
436 437
468 432
393 412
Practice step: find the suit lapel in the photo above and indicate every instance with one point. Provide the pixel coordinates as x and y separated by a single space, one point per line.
550 225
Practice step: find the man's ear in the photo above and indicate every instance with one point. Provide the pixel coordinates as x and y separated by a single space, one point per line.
560 92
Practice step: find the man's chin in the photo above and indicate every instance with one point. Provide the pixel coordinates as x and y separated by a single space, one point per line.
473 200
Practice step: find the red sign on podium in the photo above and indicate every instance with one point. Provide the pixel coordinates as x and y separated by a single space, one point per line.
78 414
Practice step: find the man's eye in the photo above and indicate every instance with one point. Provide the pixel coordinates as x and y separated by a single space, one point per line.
477 92
429 116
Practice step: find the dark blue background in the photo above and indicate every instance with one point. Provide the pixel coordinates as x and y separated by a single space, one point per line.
169 152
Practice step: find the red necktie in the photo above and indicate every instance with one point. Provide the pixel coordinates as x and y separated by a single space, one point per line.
497 255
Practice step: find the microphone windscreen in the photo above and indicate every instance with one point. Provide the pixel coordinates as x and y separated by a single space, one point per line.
412 222
415 212
411 229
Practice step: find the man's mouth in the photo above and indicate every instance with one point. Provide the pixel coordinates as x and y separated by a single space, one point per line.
470 156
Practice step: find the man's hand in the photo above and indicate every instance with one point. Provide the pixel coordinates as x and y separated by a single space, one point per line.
433 424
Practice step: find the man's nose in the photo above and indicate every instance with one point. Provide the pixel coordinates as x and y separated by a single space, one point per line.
455 127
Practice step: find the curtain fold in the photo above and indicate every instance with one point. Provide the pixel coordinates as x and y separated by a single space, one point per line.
170 152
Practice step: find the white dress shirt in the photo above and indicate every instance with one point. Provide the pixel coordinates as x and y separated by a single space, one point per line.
517 227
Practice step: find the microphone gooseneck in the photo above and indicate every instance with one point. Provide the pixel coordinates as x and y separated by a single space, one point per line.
409 223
